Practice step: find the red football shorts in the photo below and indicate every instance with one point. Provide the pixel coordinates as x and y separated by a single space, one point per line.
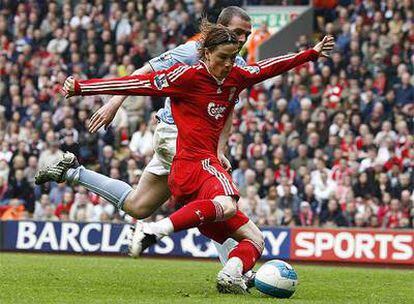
192 180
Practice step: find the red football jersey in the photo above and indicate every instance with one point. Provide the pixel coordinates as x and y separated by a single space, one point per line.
200 103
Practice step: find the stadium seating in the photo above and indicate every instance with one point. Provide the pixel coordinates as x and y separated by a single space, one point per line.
329 144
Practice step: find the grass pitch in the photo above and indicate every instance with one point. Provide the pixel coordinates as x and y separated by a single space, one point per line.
42 278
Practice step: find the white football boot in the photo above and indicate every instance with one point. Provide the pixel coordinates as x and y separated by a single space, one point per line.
140 238
227 283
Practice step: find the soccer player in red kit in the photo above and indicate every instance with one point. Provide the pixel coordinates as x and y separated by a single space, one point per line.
203 98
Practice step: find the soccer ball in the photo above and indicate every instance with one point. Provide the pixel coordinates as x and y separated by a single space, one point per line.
277 279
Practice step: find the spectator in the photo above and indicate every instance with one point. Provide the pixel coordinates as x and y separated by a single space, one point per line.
49 213
257 38
404 94
324 188
20 189
5 153
288 218
154 45
57 192
105 161
250 178
30 170
3 189
40 206
238 175
369 161
103 211
82 209
4 171
394 217
359 221
364 187
289 200
374 222
332 216
273 214
306 216
52 154
349 214
249 204
141 141
309 196
80 19
302 159
256 145
59 44
14 212
69 144
63 208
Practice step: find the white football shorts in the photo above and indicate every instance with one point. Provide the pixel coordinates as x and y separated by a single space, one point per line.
164 144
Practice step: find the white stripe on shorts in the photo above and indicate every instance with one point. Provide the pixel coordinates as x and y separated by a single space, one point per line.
228 190
209 169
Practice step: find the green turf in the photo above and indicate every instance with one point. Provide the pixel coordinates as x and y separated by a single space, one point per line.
37 278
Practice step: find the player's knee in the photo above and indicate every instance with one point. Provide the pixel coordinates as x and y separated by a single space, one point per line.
142 212
256 236
258 239
228 204
135 206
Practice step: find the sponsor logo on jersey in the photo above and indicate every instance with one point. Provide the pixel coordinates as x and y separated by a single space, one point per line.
161 82
166 56
215 111
251 69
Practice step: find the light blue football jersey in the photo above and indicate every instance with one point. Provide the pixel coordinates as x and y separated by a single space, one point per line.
186 53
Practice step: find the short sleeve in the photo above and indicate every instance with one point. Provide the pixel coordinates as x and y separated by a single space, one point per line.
186 53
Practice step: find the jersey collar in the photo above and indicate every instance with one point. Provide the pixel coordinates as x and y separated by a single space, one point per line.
219 82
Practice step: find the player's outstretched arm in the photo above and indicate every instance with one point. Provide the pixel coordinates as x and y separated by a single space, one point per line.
171 82
104 115
118 99
153 84
185 53
272 67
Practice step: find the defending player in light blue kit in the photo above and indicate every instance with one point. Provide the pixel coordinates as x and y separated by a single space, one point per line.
152 190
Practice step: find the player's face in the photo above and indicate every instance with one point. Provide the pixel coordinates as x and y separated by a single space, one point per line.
241 28
220 60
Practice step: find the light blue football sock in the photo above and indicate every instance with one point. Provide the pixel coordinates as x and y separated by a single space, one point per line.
224 249
113 190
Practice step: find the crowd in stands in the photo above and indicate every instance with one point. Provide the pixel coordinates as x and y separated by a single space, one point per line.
329 144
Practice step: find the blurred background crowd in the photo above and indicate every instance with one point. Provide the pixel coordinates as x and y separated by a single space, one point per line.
329 144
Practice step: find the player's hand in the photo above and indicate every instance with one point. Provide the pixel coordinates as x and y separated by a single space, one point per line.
103 117
325 46
69 87
224 162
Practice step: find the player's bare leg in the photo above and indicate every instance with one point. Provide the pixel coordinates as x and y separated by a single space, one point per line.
152 191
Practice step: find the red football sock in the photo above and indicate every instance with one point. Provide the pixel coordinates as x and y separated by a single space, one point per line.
248 252
196 213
